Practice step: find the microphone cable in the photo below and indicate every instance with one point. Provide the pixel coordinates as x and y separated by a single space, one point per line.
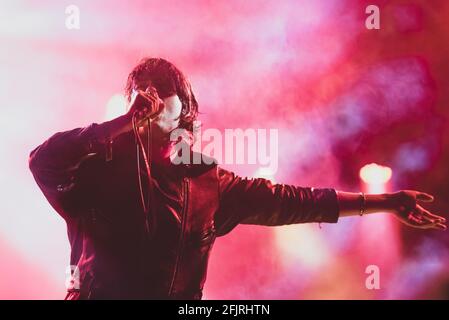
147 161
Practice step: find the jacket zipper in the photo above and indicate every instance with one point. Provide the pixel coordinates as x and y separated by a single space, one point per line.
185 185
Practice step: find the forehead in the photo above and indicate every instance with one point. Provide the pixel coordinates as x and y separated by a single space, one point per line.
172 100
165 87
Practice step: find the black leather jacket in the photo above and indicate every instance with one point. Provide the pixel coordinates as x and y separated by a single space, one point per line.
112 255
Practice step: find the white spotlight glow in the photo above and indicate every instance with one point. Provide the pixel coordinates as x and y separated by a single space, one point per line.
375 174
115 107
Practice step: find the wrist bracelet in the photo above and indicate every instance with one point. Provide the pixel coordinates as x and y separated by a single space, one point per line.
363 204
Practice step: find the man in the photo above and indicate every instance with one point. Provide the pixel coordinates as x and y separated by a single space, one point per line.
141 227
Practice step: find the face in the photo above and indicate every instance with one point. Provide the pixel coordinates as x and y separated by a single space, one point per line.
168 119
163 125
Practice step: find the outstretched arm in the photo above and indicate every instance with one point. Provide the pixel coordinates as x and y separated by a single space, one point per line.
260 202
404 204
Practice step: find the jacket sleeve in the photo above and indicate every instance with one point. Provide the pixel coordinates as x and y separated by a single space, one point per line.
257 201
55 162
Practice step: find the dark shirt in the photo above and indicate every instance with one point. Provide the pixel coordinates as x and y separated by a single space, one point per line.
100 200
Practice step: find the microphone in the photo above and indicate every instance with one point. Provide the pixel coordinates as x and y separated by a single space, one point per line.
153 103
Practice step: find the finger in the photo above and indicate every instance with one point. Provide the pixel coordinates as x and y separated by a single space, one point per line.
151 99
148 96
427 225
435 224
425 197
415 220
429 219
151 89
156 106
433 216
422 220
439 226
421 213
145 95
159 107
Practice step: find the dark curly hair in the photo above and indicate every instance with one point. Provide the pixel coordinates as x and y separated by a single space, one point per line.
168 80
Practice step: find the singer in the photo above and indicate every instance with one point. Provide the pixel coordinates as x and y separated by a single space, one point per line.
141 227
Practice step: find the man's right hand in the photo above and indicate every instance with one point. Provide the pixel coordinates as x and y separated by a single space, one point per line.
144 105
